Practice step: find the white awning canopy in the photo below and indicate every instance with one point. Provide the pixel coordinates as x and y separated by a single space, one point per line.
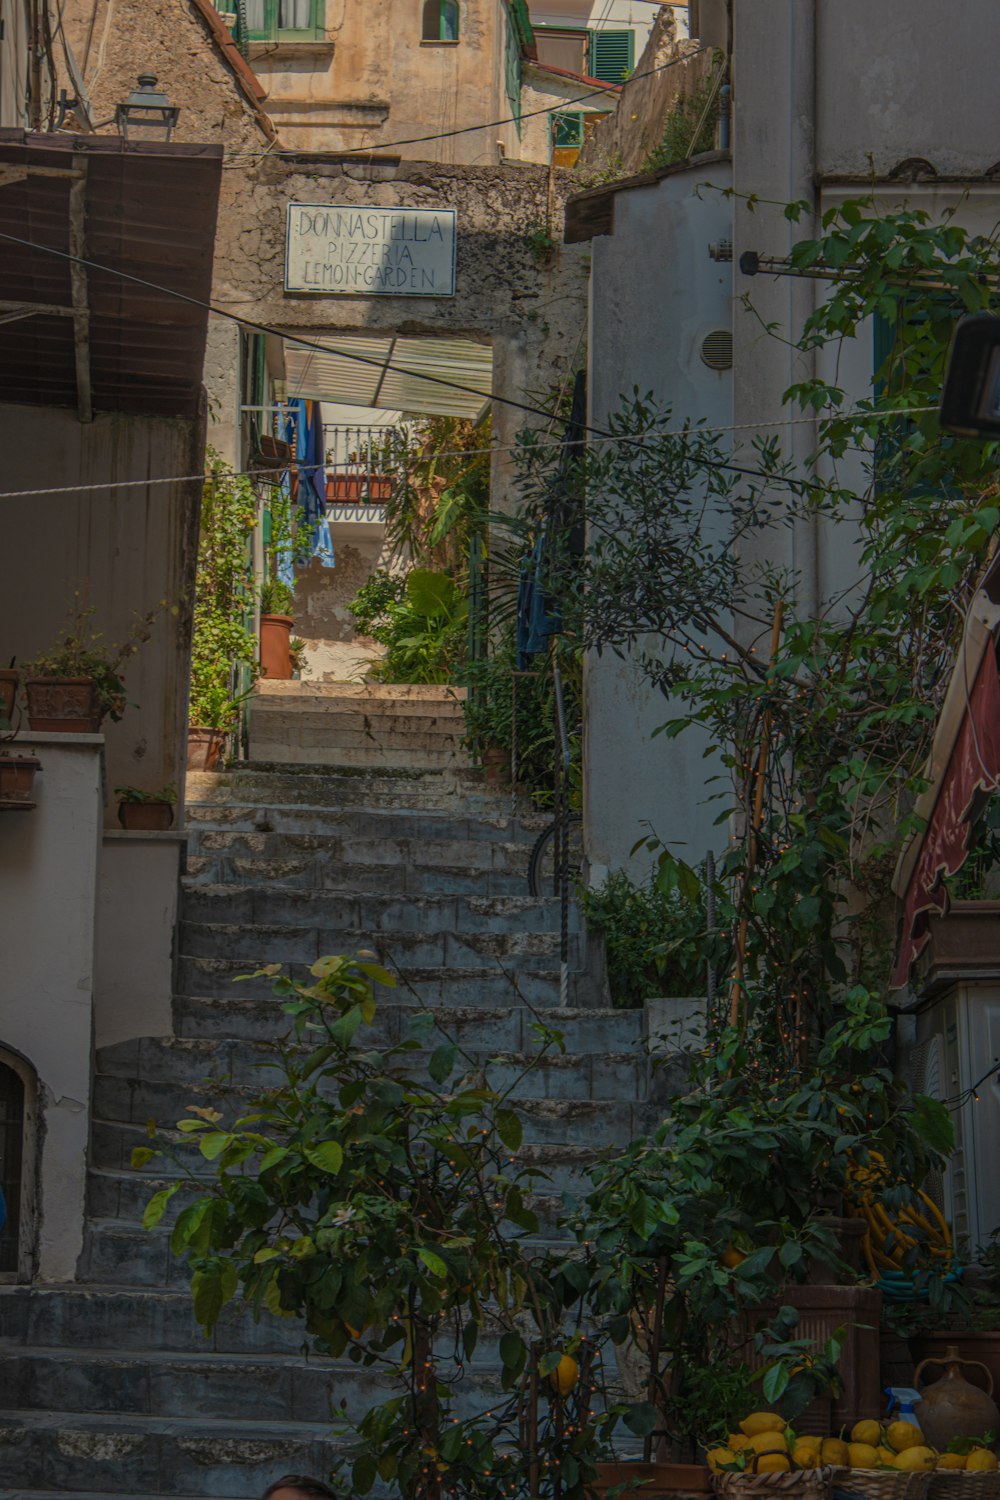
394 373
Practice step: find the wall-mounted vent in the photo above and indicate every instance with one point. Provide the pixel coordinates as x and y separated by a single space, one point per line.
717 349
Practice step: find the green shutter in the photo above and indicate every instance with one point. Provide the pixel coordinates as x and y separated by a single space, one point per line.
612 54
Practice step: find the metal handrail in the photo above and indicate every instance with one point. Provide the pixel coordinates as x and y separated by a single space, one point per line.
562 835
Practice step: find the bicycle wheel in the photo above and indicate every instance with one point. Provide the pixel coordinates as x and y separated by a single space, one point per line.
543 873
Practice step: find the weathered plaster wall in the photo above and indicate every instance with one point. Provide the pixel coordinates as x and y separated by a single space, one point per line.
531 309
898 81
375 82
621 145
543 91
124 551
48 891
115 40
633 782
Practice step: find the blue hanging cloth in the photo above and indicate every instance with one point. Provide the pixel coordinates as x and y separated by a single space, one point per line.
304 429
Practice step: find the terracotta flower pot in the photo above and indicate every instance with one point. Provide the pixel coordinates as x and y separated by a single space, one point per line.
17 778
63 705
204 748
9 679
275 635
358 489
146 817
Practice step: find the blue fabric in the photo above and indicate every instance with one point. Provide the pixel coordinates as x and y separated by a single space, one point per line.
538 615
304 429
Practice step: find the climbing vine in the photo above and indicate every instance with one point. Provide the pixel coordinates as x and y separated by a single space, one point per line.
223 641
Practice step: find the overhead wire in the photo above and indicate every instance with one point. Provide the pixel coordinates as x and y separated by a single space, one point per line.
631 438
242 160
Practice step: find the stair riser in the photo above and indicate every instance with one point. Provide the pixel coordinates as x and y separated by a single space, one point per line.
313 749
421 832
273 911
264 1391
430 987
346 726
376 880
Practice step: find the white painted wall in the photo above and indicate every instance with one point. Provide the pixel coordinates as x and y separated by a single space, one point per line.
655 294
48 895
136 912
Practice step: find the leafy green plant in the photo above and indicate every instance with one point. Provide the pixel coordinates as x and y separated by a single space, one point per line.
297 652
751 1157
438 508
224 647
276 598
136 794
420 618
81 652
656 934
689 127
541 244
373 1194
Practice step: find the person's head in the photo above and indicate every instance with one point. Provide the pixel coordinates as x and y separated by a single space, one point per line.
298 1487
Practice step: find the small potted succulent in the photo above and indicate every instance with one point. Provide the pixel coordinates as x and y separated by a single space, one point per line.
72 687
297 652
276 602
145 812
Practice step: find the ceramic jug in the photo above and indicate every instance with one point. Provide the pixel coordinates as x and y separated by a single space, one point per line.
951 1407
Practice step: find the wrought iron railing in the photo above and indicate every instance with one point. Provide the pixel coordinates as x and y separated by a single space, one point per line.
365 467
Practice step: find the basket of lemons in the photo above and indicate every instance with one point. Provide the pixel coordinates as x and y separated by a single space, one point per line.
966 1470
892 1461
767 1457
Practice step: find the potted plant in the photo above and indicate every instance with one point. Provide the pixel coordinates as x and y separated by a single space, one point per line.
75 685
10 677
297 652
17 777
148 812
276 604
213 714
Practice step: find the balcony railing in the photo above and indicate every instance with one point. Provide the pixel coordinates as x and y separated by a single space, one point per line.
365 467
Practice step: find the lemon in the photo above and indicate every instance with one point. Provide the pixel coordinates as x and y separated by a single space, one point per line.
718 1458
805 1458
768 1442
565 1375
903 1435
731 1257
762 1421
808 1440
737 1441
951 1461
981 1459
862 1455
866 1432
886 1456
772 1463
834 1451
915 1460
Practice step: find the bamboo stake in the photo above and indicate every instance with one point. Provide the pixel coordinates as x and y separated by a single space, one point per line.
755 822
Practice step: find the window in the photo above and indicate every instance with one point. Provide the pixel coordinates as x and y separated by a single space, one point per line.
512 72
440 21
298 20
612 55
569 131
561 48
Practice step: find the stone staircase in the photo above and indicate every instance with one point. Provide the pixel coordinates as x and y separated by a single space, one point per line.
110 1388
380 725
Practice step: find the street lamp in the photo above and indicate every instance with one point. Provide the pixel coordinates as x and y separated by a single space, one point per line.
146 114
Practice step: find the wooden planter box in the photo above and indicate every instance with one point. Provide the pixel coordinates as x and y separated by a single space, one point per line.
965 944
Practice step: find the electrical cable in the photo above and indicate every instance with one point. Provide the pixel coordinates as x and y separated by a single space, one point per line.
241 162
631 438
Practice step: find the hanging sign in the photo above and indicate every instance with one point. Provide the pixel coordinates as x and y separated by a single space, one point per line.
394 252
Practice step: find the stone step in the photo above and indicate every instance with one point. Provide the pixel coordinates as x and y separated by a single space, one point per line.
427 987
396 693
290 1389
264 907
434 836
251 947
80 1454
312 747
595 1125
346 730
273 784
322 872
183 1063
506 1027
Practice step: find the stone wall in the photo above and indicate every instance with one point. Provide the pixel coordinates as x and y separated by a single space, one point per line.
668 70
114 40
530 306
